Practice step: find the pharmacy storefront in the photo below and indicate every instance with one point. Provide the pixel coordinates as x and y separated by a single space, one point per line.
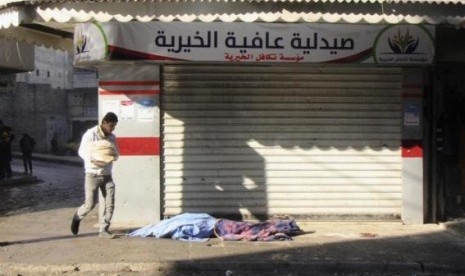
255 120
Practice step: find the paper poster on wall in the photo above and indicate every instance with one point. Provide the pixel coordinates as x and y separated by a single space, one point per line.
146 110
110 106
127 110
412 115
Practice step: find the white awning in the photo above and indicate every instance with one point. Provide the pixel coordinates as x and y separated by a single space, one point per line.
243 11
251 12
49 15
13 17
10 17
6 2
38 38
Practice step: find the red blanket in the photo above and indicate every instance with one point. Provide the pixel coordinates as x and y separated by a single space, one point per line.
263 231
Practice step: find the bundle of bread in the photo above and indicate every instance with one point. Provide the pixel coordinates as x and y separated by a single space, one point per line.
103 152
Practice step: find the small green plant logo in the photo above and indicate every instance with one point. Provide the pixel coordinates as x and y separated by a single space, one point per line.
403 43
81 42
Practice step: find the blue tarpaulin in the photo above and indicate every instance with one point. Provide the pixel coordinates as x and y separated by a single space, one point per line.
187 226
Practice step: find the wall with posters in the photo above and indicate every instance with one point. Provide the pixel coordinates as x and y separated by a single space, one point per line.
132 92
413 184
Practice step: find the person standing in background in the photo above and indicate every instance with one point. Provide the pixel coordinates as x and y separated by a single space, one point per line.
3 153
26 144
54 143
6 156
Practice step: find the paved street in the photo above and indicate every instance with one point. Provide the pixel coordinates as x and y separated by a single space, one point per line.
60 186
35 240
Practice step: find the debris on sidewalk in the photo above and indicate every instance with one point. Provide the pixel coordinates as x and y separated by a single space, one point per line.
368 235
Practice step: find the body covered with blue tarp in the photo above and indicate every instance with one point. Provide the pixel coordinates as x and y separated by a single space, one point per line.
201 227
187 226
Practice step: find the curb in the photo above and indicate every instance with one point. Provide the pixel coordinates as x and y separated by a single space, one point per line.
19 180
456 226
58 160
232 268
52 158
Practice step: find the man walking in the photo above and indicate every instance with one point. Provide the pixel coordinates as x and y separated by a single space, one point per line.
98 149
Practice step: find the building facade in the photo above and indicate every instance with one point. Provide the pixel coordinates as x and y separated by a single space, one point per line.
52 100
259 120
313 109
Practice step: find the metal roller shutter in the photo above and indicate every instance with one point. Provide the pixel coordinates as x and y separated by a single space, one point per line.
261 141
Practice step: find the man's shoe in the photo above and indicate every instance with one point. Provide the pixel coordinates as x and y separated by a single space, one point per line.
106 234
75 224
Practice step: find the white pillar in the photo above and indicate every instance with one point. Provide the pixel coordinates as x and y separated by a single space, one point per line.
132 92
413 198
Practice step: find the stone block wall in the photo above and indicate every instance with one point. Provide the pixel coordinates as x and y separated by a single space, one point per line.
31 108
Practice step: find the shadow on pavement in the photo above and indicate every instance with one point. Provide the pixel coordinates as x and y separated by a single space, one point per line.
425 254
47 239
19 179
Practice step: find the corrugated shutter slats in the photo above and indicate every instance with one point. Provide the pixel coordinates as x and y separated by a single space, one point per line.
281 140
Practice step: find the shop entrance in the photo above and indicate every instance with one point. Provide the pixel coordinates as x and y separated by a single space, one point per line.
448 158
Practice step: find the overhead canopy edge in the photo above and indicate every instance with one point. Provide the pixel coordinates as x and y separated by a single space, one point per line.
37 38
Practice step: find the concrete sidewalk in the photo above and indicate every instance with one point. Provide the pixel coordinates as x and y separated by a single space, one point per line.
62 159
40 243
44 246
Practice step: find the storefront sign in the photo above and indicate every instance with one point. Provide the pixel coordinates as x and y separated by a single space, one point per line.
254 42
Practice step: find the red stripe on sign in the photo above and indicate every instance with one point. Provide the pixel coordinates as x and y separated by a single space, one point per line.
139 145
128 92
412 95
129 83
118 53
412 149
412 85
